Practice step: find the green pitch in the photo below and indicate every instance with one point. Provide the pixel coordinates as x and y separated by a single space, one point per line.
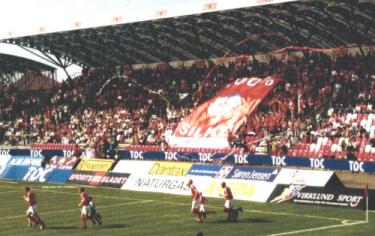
142 214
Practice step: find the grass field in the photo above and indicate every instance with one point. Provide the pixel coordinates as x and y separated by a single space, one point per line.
138 213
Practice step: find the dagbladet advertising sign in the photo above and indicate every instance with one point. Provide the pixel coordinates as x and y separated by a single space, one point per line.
282 161
334 197
114 180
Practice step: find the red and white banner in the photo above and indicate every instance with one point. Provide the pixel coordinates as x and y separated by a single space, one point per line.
209 124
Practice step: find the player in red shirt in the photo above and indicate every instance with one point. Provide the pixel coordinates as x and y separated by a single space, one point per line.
203 206
84 202
31 213
229 205
194 201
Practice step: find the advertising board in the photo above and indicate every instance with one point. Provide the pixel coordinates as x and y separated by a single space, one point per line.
334 197
304 177
157 183
210 187
95 165
253 173
204 170
130 166
115 180
243 159
170 168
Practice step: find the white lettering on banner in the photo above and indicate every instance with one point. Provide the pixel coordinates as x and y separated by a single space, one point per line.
25 161
251 82
113 180
205 157
170 156
67 153
356 166
80 177
62 162
238 174
136 155
36 174
317 163
278 161
316 196
4 153
352 200
240 159
36 153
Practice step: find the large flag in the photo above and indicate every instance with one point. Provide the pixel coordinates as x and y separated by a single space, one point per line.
209 124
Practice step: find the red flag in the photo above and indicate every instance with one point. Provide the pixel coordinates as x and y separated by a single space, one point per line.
209 124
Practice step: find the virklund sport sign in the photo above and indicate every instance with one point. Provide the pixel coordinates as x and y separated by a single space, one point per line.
210 123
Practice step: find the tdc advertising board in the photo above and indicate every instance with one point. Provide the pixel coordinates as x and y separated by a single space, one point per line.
29 169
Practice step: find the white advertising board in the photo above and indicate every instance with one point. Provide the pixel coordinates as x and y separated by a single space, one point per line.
313 178
242 189
133 167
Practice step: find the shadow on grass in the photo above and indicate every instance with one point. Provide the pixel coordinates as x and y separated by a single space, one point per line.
109 226
62 227
113 226
243 220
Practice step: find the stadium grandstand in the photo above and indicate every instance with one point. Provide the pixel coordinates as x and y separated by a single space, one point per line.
161 86
118 100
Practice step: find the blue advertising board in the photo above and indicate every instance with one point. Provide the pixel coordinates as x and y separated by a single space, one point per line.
204 170
37 174
253 173
314 163
36 152
28 168
15 172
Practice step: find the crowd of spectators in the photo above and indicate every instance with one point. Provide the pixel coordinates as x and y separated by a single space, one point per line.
100 110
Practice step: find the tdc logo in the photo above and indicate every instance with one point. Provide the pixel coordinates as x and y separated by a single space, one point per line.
356 166
278 161
317 163
37 174
136 155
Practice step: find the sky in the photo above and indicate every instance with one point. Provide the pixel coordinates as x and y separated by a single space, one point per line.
30 17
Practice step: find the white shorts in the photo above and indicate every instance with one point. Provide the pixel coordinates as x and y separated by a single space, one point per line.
202 208
32 210
85 210
194 205
229 204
